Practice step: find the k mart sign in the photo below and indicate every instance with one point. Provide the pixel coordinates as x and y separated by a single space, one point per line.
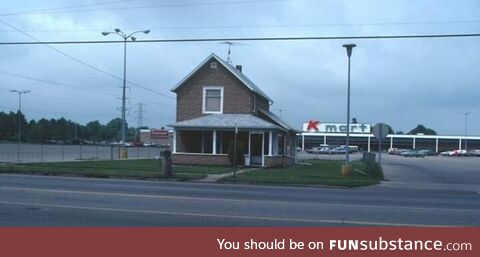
316 126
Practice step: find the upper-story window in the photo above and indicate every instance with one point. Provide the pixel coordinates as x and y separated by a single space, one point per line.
213 100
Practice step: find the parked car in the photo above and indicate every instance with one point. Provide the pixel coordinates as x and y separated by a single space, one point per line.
396 151
455 153
427 152
475 152
412 153
340 150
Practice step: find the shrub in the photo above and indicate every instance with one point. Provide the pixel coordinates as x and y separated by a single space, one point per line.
240 157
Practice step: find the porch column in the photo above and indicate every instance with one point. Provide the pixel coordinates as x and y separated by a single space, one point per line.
414 143
214 142
270 143
460 144
436 145
174 148
324 140
368 144
303 142
249 142
391 142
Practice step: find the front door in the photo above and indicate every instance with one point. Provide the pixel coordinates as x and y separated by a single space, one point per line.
256 149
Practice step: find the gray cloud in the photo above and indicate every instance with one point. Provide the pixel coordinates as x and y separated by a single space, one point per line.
402 82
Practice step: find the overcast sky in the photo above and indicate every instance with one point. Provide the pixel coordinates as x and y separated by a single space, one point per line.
400 82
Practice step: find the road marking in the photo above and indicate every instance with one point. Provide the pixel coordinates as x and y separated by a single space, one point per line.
229 199
207 215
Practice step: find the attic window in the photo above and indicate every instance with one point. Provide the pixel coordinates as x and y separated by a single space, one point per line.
213 65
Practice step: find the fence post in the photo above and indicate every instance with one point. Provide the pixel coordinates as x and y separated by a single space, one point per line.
63 153
80 147
111 152
41 152
96 151
138 156
148 152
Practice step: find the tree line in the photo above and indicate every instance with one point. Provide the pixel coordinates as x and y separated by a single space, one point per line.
60 130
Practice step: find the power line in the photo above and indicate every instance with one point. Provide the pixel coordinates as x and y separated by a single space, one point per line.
82 62
150 7
269 26
51 82
185 40
37 11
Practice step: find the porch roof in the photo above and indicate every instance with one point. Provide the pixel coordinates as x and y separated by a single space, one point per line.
227 121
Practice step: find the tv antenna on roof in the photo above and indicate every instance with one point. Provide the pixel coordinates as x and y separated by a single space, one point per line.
230 44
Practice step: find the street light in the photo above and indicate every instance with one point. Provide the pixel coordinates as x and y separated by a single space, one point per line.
19 136
125 37
466 127
349 48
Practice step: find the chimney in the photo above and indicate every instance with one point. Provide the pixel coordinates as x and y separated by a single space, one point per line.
238 67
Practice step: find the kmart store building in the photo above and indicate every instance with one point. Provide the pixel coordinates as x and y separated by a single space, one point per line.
315 134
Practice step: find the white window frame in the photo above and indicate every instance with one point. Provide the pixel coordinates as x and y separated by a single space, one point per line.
204 98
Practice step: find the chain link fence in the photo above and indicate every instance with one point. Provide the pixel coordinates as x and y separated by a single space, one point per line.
57 153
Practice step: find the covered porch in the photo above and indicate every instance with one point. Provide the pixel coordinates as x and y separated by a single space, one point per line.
264 144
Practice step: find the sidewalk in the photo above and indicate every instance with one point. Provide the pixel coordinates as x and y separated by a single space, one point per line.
213 178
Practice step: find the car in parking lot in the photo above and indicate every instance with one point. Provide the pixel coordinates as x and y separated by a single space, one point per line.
396 151
412 153
457 152
474 152
427 152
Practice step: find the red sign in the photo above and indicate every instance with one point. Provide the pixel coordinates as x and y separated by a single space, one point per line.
159 134
313 125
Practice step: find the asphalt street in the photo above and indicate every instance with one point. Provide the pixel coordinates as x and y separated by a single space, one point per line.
67 201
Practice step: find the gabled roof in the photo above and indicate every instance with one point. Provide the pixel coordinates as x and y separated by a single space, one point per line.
277 120
227 121
238 74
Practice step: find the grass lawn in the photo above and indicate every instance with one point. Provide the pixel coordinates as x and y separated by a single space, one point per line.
318 173
139 169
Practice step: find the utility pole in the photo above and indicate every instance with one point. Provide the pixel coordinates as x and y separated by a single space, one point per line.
19 136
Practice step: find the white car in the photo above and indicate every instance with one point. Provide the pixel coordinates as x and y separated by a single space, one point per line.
455 153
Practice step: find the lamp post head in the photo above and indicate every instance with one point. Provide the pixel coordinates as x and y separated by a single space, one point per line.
105 33
146 31
133 38
117 30
349 48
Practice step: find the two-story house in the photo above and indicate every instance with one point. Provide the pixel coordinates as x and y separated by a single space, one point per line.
217 100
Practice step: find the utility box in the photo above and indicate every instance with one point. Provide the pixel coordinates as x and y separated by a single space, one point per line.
167 164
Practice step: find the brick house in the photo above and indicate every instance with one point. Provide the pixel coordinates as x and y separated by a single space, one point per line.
217 99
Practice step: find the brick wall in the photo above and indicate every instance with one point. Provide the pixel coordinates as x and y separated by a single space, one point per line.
237 97
278 161
200 159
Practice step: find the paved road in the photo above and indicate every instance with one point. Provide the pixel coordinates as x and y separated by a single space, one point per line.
61 201
460 173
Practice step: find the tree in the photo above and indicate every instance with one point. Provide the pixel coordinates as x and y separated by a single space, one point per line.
422 130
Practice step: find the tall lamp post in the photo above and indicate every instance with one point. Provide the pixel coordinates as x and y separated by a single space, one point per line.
125 37
19 136
349 48
466 127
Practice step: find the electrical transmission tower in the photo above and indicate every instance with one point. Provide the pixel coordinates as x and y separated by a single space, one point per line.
140 120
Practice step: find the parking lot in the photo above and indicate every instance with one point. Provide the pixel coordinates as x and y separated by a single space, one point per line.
436 172
53 153
433 171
